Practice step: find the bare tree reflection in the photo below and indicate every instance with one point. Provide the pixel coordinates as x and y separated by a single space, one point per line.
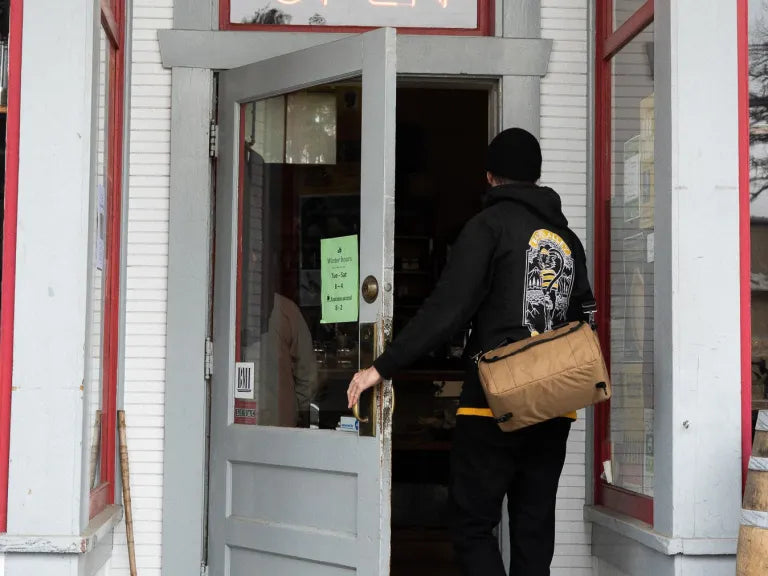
758 105
269 15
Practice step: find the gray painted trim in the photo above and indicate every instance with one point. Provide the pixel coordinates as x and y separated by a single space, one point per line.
590 246
645 535
479 56
196 14
100 527
187 321
664 369
521 103
91 563
626 556
521 19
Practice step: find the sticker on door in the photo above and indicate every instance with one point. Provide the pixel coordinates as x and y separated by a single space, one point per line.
244 380
339 272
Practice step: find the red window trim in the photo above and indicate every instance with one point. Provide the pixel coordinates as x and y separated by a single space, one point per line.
9 248
485 24
607 44
113 24
625 33
742 15
110 24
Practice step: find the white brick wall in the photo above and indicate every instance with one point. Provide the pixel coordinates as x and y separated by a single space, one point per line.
148 189
564 129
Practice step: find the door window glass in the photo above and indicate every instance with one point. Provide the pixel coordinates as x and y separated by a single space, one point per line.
299 187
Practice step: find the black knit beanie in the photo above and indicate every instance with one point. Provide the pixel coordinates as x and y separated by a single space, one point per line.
515 154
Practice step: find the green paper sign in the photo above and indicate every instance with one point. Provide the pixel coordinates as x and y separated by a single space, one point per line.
339 273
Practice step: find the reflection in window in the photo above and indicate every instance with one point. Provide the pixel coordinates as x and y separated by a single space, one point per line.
301 184
758 101
632 266
98 270
374 13
624 9
758 137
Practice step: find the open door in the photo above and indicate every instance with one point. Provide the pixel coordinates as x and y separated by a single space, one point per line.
303 297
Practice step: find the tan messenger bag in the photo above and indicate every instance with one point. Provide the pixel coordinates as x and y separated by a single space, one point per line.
544 376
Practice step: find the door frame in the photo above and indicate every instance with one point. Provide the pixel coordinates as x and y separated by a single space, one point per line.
518 65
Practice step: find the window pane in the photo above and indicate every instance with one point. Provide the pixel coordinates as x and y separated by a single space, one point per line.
758 136
632 266
395 13
98 267
623 10
301 185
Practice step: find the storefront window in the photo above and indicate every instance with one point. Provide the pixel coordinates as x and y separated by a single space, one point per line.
758 137
99 225
631 265
624 256
104 281
624 10
453 16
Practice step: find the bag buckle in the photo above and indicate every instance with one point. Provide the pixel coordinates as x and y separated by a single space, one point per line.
589 309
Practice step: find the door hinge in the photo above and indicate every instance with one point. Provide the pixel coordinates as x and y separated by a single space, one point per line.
213 140
208 358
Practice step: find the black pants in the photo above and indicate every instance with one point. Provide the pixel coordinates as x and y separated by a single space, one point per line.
488 464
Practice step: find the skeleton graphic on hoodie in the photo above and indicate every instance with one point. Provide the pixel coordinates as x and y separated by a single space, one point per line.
549 278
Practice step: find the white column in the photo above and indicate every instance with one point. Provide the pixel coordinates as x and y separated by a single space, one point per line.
697 398
46 459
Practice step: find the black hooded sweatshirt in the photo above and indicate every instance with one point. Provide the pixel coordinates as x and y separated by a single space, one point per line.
515 270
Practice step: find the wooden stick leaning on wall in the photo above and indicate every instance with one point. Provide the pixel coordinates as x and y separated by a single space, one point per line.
95 448
126 491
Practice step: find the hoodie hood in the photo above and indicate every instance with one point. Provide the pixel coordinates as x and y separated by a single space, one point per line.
543 201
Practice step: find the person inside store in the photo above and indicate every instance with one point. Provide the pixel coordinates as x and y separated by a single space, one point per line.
285 354
516 270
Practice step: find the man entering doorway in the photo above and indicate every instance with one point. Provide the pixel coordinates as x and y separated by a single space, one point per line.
517 269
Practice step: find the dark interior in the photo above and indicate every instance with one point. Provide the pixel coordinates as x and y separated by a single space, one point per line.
441 140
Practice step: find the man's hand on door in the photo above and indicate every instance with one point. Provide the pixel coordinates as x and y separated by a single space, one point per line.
361 382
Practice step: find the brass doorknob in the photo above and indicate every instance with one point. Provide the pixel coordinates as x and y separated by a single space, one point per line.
356 414
370 289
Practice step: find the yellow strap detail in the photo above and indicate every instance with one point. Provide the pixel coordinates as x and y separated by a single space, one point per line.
486 412
464 411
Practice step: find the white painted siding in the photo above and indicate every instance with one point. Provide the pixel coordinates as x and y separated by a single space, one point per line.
564 130
147 277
